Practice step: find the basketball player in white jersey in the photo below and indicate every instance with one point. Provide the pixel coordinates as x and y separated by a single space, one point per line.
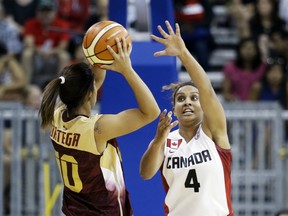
194 160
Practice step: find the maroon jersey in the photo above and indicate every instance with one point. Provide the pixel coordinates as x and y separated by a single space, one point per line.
93 182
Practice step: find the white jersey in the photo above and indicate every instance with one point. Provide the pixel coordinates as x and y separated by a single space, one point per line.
196 176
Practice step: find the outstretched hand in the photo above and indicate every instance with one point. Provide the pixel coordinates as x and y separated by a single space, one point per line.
164 126
172 41
122 61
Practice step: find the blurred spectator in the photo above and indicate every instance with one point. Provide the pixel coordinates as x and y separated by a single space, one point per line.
31 97
19 11
278 48
283 212
98 11
9 34
194 18
45 52
273 86
77 55
76 50
265 22
243 72
241 12
12 82
12 76
75 12
283 8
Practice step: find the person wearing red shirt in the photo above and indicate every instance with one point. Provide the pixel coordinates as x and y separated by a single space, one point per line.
45 41
75 12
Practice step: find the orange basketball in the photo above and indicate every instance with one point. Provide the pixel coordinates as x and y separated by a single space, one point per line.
98 36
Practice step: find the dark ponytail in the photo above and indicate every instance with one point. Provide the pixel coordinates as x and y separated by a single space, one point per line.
72 86
48 103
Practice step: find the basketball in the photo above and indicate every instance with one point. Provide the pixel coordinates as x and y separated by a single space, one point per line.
96 39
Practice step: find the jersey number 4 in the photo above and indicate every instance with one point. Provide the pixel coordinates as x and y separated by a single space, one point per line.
192 181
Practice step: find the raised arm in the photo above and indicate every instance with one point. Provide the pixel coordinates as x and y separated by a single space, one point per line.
100 75
110 126
214 123
154 155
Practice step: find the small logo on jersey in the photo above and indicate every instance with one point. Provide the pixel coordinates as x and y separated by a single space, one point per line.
197 134
173 145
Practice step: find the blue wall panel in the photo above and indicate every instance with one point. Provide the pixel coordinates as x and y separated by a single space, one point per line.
146 196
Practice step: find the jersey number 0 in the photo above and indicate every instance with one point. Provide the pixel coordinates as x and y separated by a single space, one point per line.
68 167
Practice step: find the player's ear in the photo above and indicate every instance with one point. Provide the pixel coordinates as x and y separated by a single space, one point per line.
173 109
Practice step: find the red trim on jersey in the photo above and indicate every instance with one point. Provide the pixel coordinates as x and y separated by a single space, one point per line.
166 188
226 158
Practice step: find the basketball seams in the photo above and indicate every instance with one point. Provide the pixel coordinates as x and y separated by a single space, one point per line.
90 49
100 33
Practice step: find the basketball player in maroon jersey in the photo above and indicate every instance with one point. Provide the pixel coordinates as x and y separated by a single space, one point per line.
87 154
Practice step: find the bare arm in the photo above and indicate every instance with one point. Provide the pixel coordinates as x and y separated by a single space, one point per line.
154 155
213 125
17 74
100 75
110 126
227 90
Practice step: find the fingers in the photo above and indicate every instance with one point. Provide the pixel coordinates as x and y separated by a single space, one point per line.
158 39
177 29
119 46
124 45
165 120
160 53
162 32
113 53
162 115
169 27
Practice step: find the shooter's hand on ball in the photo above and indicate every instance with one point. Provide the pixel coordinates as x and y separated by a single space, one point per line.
122 61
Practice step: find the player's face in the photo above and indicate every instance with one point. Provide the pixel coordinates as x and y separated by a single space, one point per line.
187 106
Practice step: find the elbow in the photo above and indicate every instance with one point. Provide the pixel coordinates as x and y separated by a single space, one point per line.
153 114
145 171
145 175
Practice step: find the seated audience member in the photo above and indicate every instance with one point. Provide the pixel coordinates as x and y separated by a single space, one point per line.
12 76
9 34
77 55
273 86
278 48
98 12
241 13
75 12
32 96
12 83
18 11
243 72
264 22
194 18
45 52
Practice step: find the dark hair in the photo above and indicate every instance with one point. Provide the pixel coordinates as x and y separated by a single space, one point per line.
283 84
239 60
174 87
3 49
79 80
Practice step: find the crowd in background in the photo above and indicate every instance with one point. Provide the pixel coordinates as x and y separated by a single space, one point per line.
259 70
39 37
